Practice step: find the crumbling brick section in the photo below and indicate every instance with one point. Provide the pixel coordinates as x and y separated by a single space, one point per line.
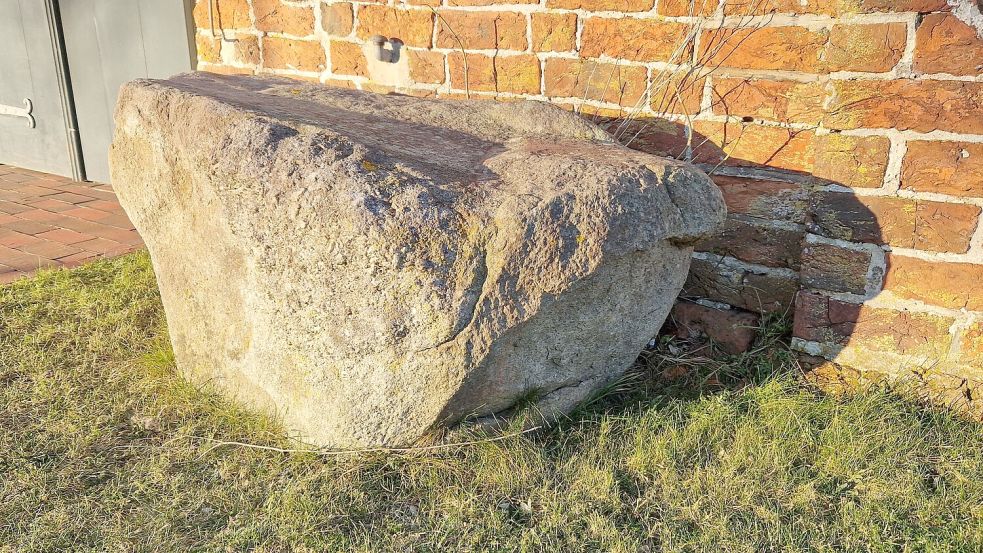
846 135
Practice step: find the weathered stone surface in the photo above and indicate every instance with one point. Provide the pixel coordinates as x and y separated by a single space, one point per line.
373 266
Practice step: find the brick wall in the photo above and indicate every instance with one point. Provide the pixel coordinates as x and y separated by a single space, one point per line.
847 136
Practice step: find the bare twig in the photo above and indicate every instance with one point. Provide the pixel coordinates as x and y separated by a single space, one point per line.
464 53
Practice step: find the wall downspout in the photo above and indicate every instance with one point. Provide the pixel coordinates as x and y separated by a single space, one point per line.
65 89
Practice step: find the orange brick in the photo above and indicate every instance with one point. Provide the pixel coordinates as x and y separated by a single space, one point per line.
426 66
554 32
952 285
751 145
904 104
944 44
676 93
632 39
602 5
347 58
785 101
337 19
225 14
785 48
901 222
589 80
209 49
854 161
874 48
482 30
682 8
413 26
945 167
516 74
286 53
273 16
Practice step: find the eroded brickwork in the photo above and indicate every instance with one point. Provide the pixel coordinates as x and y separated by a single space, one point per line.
847 136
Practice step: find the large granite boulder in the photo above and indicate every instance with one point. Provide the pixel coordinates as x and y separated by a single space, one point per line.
373 266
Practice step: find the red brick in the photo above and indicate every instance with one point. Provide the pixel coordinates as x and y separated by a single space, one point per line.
481 30
64 236
590 80
554 32
14 239
71 197
732 330
826 320
785 48
755 243
749 145
102 205
874 48
854 161
872 6
764 199
952 285
944 44
413 26
7 277
954 168
286 53
923 106
77 259
12 208
835 269
918 224
25 226
86 213
39 215
784 101
746 288
632 39
99 245
50 250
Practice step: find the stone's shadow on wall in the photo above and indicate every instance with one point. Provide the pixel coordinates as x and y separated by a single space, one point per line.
800 244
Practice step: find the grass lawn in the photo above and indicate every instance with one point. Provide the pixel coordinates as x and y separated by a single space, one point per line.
98 453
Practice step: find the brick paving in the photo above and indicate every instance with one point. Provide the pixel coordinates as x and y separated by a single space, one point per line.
51 221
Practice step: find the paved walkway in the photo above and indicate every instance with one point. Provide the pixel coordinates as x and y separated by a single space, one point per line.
50 221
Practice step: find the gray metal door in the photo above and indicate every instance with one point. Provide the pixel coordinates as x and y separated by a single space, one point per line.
34 133
110 42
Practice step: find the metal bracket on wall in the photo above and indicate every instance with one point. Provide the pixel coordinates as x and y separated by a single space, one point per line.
20 112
